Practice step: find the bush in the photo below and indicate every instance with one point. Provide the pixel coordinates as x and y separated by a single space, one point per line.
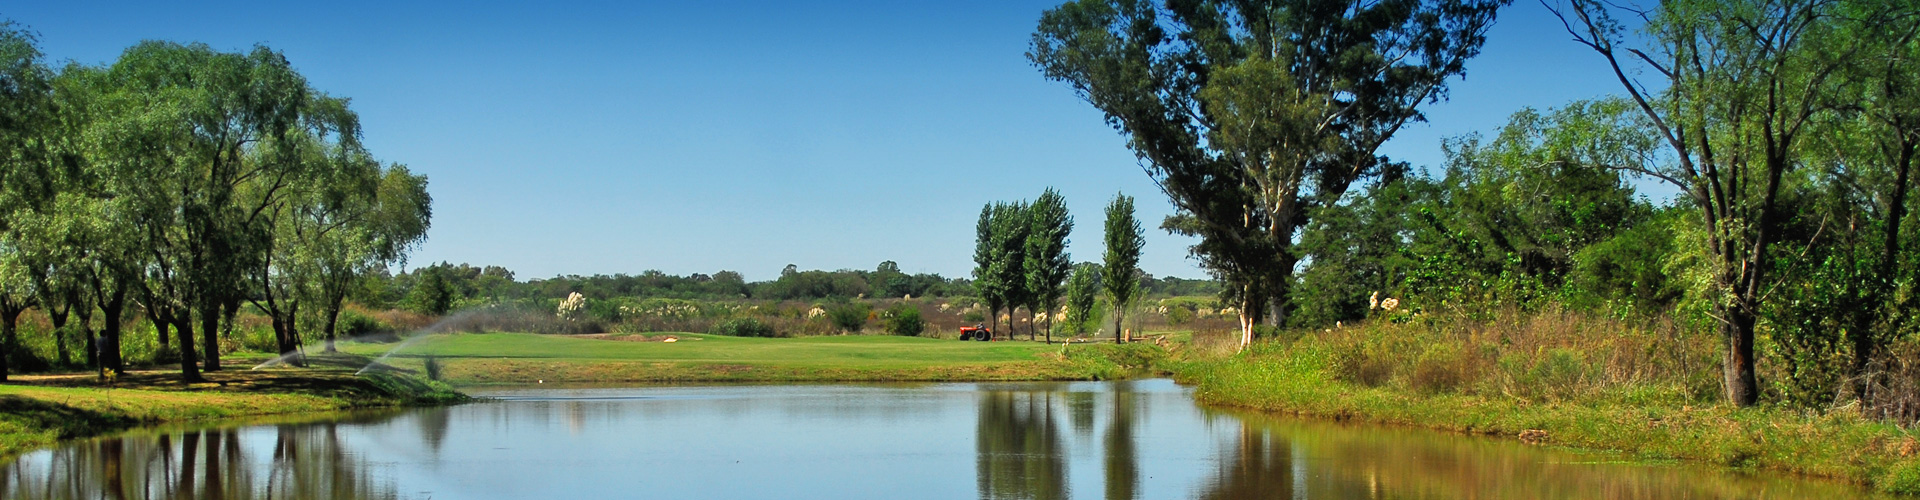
849 317
904 319
354 324
973 317
744 327
1178 315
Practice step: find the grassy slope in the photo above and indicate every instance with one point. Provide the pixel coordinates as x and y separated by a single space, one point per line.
43 410
525 358
1838 444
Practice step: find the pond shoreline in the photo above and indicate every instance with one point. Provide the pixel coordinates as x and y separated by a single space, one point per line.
36 412
1836 445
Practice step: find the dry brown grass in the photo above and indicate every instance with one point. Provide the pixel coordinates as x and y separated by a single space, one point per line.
1555 354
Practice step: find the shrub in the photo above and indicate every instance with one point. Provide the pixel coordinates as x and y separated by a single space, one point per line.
904 319
849 317
973 316
1178 315
744 327
354 324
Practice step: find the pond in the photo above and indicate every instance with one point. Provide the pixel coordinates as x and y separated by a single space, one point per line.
1116 440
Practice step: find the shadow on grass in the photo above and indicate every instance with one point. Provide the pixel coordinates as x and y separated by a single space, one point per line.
65 421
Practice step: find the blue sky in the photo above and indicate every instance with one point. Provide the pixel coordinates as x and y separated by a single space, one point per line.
617 137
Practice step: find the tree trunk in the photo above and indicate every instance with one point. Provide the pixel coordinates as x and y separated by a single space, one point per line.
1743 389
189 364
112 309
209 334
58 317
9 330
159 328
84 326
333 317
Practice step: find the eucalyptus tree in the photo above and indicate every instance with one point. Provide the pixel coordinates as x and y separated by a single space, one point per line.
1047 263
1120 274
1249 115
1743 87
180 131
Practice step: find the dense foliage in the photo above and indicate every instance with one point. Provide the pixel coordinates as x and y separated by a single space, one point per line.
185 182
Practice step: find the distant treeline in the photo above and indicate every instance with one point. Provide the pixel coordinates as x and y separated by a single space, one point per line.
442 287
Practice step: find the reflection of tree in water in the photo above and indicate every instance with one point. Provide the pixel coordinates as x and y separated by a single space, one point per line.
1122 467
433 427
307 462
1020 452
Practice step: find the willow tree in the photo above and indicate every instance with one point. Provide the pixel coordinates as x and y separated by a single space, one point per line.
1251 114
179 130
26 171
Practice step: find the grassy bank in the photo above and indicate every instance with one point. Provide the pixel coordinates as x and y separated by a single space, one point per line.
505 358
37 411
1541 383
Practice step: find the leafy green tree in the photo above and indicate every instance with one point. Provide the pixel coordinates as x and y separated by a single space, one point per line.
1082 291
1746 85
432 295
183 129
1000 256
1047 263
1119 275
1249 115
26 171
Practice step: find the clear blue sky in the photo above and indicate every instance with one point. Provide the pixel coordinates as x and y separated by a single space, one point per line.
617 137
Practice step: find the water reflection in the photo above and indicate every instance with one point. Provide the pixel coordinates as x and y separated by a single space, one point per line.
1117 440
1020 452
302 462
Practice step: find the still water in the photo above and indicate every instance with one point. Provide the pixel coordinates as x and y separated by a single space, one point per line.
1115 440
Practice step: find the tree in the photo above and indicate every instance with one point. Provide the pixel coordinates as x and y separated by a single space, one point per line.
1000 256
1047 263
1124 239
372 232
26 171
1248 115
1082 289
432 295
182 129
1745 83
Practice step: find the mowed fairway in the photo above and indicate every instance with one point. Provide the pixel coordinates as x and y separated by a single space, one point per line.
526 358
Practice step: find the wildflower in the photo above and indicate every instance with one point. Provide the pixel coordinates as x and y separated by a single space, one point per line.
1389 304
816 312
1373 301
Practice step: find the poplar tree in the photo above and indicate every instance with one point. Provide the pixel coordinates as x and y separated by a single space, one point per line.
1124 239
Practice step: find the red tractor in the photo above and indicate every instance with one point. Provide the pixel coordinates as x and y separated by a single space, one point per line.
976 332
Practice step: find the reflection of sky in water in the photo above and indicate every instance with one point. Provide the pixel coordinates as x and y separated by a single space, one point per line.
1141 439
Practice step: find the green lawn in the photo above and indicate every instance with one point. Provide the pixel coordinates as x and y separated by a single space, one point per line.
528 358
